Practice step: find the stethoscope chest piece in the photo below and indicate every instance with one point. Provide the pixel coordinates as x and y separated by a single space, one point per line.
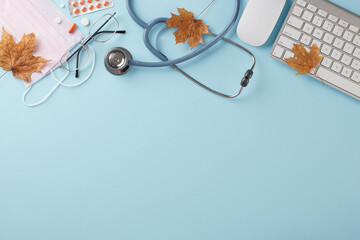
117 61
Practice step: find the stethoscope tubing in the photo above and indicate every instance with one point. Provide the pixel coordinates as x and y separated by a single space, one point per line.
165 62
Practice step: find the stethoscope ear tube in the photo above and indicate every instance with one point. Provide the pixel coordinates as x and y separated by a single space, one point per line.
167 63
244 82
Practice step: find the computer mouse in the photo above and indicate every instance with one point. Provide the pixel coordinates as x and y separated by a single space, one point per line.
259 20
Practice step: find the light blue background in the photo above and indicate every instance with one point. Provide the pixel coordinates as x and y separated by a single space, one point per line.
150 155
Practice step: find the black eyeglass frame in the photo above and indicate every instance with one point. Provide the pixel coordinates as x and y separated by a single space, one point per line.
89 38
86 42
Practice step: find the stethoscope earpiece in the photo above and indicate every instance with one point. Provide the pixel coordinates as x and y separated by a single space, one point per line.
117 61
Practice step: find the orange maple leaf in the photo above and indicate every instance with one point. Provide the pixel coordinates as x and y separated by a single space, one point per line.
19 58
304 61
189 27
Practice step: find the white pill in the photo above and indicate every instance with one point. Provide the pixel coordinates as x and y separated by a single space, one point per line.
62 5
85 21
58 20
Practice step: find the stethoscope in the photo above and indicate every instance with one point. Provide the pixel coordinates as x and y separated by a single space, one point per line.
119 61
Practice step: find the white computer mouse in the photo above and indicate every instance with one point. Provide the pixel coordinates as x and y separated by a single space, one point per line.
259 20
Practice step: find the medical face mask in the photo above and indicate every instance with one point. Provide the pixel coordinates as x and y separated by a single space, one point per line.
38 16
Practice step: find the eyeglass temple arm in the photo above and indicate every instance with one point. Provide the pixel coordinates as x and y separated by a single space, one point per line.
86 42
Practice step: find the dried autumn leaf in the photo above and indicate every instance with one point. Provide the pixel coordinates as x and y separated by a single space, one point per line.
189 27
19 58
304 61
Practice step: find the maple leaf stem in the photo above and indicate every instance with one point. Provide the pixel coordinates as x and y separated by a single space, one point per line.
4 74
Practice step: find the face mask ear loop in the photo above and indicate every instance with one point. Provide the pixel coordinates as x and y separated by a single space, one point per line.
46 97
59 82
85 79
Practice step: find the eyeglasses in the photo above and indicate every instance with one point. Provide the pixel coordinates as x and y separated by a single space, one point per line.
101 31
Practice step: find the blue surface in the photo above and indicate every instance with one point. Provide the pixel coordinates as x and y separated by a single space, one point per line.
152 156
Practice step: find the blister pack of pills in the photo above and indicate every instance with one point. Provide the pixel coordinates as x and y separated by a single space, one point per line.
82 7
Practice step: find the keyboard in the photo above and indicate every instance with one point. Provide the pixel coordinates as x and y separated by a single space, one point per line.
335 31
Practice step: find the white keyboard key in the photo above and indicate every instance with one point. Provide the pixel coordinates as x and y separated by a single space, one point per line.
307 16
333 18
343 23
326 62
297 11
338 31
357 53
336 54
357 41
353 28
301 3
295 22
318 33
326 49
348 36
338 43
317 21
356 77
328 38
356 65
322 13
348 48
328 26
308 28
291 32
336 67
305 39
278 52
346 72
286 42
346 59
288 55
312 8
337 80
317 43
